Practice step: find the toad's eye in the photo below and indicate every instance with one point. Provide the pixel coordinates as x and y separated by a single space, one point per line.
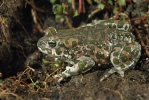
52 43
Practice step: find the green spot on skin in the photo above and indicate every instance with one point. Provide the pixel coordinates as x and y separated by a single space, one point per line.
81 65
91 47
127 49
66 42
99 55
63 75
115 54
122 66
119 45
120 24
58 51
123 58
72 73
74 43
106 47
116 61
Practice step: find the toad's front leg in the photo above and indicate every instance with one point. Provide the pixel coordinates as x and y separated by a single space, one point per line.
82 65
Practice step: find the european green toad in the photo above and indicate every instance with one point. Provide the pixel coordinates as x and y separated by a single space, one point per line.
100 43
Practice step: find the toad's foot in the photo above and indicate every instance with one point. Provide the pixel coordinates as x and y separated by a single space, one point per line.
124 58
83 64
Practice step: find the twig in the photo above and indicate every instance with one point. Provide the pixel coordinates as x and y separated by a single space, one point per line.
32 4
68 23
51 74
33 12
93 13
22 27
142 43
73 5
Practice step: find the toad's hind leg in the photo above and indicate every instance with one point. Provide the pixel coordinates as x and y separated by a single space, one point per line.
124 58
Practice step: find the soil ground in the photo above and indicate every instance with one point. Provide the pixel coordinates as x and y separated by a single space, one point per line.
24 77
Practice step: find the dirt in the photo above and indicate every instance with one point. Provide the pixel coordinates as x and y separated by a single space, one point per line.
24 77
